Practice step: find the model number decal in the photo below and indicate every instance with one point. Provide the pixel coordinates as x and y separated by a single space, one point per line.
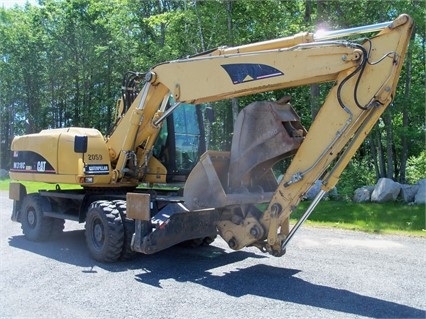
19 165
95 157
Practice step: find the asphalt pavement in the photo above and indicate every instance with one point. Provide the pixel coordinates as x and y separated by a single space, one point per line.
326 273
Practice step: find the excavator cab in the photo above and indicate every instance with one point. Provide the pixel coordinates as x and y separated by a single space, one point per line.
181 141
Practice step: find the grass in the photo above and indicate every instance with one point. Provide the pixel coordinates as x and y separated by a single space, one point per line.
384 218
33 187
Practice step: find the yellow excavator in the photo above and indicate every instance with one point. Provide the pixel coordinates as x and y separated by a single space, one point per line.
122 179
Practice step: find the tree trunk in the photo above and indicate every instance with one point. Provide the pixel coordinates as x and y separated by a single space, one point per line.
314 88
315 95
234 101
308 11
229 21
387 120
373 151
200 29
380 155
6 134
405 117
76 115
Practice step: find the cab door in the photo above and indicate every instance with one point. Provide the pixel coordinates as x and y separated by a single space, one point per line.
181 142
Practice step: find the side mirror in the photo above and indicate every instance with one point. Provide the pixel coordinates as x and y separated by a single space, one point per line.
80 144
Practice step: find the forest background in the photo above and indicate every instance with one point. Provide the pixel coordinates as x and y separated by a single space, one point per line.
62 62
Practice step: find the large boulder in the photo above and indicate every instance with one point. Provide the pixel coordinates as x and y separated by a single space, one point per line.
313 191
408 192
316 188
386 190
420 197
363 194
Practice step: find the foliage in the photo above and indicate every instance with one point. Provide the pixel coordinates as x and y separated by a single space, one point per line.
359 172
416 168
61 64
33 187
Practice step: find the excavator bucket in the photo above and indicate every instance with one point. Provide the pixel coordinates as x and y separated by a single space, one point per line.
264 133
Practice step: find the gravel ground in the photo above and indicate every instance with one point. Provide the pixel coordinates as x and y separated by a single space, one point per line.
326 273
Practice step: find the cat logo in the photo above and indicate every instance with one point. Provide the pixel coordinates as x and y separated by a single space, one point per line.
41 166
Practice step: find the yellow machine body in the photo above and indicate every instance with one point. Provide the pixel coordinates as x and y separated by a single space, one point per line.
49 156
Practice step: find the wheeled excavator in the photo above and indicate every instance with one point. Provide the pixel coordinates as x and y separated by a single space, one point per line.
122 180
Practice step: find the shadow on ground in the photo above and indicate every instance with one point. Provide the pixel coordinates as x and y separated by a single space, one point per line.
197 265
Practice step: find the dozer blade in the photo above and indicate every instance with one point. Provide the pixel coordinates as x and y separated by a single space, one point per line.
264 133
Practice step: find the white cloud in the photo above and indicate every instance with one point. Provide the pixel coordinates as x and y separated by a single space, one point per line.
11 3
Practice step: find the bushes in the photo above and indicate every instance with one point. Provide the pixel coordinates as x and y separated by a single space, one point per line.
416 168
358 173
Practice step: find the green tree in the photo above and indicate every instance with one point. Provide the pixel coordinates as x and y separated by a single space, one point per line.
62 63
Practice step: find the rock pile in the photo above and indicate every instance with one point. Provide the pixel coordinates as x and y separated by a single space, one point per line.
387 190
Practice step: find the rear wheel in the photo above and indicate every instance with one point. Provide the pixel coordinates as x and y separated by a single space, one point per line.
104 231
35 226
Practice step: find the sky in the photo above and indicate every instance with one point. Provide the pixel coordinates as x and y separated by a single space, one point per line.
10 3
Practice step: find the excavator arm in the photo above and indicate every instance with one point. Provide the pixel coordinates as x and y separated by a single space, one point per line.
350 110
365 76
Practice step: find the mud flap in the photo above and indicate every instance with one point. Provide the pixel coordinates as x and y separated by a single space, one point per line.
17 193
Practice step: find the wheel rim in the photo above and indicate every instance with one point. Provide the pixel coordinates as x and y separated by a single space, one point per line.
31 218
98 237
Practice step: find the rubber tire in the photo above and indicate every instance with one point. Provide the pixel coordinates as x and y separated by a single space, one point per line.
104 232
35 226
129 229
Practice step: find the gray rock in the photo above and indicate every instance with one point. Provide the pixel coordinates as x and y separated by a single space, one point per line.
333 194
408 192
420 197
386 190
363 194
313 191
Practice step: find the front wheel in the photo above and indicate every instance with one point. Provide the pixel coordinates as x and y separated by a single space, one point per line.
34 224
104 231
129 229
